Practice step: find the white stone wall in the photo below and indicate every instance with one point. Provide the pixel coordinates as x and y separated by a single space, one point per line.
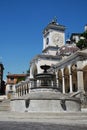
55 37
9 89
18 105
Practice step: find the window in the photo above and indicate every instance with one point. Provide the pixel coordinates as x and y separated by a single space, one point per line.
11 78
47 41
10 87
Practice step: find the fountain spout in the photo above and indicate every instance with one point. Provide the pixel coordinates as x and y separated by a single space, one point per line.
45 68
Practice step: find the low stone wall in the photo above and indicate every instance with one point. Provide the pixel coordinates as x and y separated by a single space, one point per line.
48 105
73 105
18 105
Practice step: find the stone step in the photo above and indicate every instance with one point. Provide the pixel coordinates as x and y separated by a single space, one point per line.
5 105
46 114
61 117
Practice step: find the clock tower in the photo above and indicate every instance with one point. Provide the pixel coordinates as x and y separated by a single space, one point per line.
53 36
53 39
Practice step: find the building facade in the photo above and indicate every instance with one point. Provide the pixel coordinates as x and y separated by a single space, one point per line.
13 79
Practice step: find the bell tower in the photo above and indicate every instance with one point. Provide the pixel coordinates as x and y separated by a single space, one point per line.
53 35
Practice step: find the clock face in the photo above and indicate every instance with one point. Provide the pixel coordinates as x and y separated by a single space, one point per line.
57 39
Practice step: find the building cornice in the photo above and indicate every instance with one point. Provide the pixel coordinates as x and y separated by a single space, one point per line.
55 26
45 56
51 48
77 56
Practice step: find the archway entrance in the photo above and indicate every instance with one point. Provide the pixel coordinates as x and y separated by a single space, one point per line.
60 80
66 77
34 70
74 77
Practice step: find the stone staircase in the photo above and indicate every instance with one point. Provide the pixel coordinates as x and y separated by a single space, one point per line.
5 105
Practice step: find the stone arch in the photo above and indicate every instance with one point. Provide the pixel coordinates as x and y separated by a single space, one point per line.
74 77
85 78
60 79
66 78
34 70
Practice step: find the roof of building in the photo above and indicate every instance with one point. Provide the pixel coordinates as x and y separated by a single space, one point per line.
67 49
17 75
75 34
54 25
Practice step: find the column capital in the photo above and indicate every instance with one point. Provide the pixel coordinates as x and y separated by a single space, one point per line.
62 70
69 67
78 69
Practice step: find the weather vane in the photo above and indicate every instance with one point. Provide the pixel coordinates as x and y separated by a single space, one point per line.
54 20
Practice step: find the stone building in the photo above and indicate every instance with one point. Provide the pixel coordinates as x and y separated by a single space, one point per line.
13 79
2 83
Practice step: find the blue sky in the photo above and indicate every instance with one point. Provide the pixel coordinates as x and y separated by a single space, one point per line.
22 23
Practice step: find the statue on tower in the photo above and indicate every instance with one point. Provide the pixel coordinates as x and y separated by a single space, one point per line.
54 21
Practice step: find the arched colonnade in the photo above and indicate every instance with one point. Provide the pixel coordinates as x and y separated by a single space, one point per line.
72 78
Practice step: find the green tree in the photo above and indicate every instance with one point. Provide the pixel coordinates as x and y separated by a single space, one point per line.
82 43
84 34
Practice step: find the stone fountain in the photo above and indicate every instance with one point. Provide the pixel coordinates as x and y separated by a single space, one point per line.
45 96
44 81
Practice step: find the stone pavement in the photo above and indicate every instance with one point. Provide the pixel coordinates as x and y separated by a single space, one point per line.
43 121
38 126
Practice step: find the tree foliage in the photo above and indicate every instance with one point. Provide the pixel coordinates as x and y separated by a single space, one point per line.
20 79
82 43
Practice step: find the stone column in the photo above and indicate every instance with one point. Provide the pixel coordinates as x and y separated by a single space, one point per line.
70 78
63 81
80 80
57 83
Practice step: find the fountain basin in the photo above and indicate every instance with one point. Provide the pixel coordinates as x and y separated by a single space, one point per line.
46 102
